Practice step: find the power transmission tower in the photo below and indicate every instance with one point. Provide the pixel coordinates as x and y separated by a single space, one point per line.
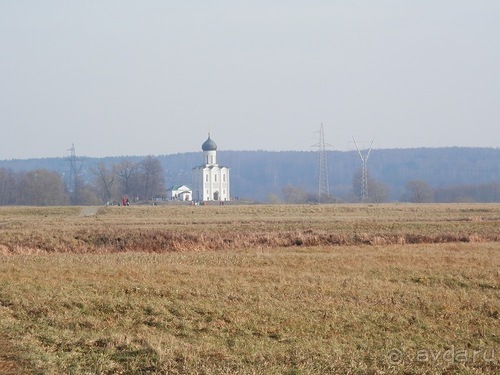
323 186
75 168
364 170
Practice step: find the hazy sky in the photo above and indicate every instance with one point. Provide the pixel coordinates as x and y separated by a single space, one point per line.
123 77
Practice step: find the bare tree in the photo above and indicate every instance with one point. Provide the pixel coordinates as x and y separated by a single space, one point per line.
417 191
294 194
42 188
152 177
8 182
378 192
104 181
126 171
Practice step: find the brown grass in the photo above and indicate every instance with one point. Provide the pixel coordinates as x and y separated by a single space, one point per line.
298 308
181 228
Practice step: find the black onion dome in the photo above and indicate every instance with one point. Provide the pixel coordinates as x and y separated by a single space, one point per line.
209 145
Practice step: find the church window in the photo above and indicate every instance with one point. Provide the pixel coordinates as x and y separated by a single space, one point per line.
206 177
224 177
215 178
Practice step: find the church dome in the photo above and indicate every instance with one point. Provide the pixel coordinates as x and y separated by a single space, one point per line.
209 145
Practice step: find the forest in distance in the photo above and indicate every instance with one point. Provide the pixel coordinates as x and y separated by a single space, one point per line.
453 174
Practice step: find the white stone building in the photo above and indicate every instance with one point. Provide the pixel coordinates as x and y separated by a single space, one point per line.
180 192
210 181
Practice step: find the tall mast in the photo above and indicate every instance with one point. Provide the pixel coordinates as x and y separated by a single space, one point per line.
323 185
364 170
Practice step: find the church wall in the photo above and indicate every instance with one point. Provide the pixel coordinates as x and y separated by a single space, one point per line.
210 180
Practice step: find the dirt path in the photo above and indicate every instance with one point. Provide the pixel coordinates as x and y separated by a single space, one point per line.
89 211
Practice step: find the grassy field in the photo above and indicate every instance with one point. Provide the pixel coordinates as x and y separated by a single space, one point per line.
250 289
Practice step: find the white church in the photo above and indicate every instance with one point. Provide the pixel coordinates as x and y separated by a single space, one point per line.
210 180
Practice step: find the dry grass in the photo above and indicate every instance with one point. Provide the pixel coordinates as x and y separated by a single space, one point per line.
179 228
261 308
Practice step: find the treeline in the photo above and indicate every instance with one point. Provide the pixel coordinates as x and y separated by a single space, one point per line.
39 187
469 193
257 174
415 191
102 183
425 174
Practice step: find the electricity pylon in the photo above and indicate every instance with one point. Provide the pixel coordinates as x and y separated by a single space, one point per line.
364 170
75 169
323 185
